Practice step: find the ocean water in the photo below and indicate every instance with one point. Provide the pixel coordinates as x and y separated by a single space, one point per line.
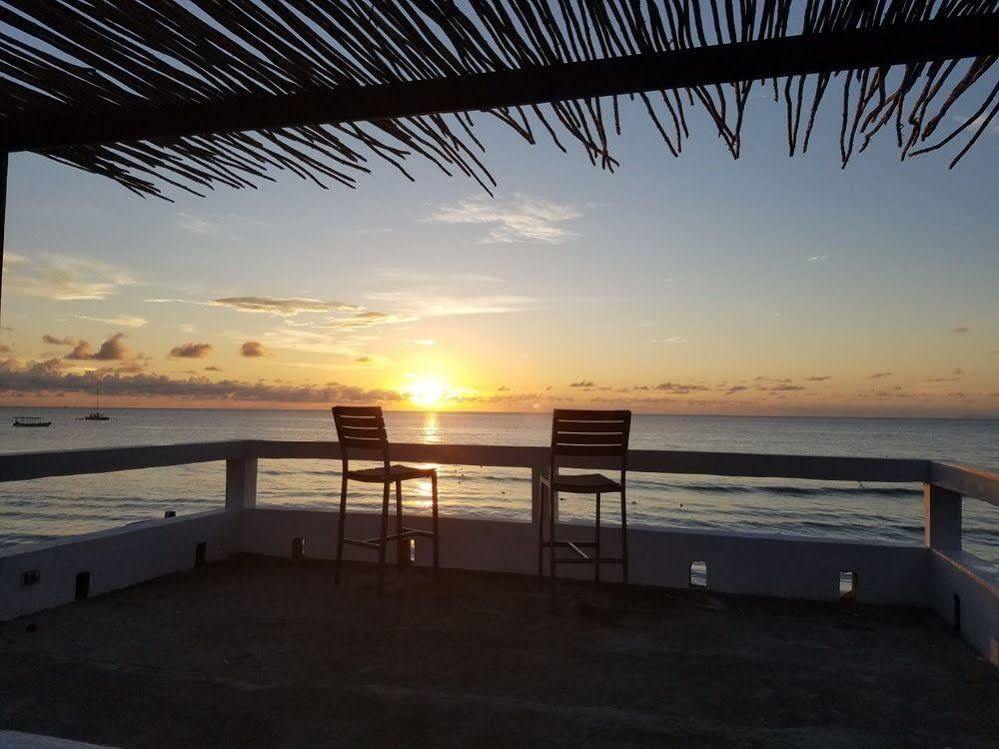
50 508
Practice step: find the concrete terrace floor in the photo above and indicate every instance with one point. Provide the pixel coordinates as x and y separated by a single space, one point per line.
267 653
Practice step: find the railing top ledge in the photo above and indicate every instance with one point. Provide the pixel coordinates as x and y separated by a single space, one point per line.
21 466
970 482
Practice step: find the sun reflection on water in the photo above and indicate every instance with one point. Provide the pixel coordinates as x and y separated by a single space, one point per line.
429 433
430 430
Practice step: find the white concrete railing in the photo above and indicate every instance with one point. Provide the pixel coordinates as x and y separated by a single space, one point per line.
945 484
938 574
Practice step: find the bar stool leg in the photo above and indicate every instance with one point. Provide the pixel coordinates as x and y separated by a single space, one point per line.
436 526
399 552
340 529
384 538
596 548
551 537
624 536
542 493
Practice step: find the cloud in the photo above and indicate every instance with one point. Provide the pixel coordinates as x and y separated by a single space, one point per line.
195 224
977 123
252 350
13 260
434 301
671 340
780 385
64 278
213 368
679 389
277 306
735 389
53 341
482 305
191 351
113 349
818 378
958 372
364 232
961 329
582 384
226 225
502 389
430 342
819 259
50 377
311 340
363 359
369 319
879 375
125 321
519 219
786 388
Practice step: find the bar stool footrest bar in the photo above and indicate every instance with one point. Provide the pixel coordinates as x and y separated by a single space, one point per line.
590 560
566 544
579 551
361 542
406 533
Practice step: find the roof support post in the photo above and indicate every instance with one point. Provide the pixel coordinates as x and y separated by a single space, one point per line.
240 484
4 158
942 509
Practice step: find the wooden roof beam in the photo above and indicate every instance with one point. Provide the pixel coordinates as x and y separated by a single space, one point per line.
820 53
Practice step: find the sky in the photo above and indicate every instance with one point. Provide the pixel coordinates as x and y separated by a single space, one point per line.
763 285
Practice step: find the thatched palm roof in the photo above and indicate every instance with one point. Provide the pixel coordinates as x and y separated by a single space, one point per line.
205 92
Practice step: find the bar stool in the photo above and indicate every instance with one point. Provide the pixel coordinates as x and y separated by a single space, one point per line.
361 429
592 435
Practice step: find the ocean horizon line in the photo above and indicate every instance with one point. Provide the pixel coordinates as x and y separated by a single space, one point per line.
538 412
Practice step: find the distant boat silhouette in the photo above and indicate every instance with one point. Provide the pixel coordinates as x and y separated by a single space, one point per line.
31 421
95 415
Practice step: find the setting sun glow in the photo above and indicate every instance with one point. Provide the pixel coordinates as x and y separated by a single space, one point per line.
428 391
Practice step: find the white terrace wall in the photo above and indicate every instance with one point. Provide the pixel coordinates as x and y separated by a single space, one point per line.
967 600
745 564
114 559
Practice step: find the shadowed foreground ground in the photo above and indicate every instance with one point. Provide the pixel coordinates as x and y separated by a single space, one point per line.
262 653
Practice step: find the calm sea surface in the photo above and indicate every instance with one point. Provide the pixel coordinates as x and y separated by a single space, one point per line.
50 508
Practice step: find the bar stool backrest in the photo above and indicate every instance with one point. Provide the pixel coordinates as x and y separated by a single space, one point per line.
591 434
361 429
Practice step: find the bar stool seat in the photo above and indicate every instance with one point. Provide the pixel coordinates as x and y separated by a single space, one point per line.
396 472
585 483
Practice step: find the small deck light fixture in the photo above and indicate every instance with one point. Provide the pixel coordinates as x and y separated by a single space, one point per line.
848 582
699 574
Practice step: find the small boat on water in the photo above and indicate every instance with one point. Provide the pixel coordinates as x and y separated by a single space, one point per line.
95 415
31 421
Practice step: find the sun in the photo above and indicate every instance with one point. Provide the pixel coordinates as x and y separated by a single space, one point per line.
427 391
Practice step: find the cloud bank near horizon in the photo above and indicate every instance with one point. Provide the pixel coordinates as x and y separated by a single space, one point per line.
52 378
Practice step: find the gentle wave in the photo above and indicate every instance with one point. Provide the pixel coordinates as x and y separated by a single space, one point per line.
654 484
